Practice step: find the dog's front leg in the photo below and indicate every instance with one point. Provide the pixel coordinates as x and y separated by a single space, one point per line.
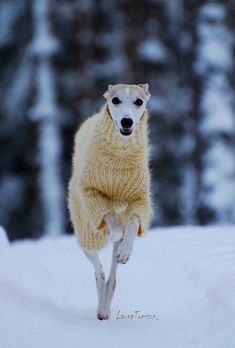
125 247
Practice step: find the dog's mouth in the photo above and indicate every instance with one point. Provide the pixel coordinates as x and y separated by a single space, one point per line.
125 131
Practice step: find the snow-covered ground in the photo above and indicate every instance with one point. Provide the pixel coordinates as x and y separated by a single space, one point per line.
185 276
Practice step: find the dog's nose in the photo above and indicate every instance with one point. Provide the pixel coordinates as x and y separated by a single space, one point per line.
126 122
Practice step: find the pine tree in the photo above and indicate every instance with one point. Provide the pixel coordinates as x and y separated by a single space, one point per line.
46 112
214 64
19 202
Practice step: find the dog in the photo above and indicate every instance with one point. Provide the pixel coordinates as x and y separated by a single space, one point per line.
109 192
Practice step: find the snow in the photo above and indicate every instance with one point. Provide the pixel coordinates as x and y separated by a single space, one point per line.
152 50
3 238
216 40
217 104
43 41
218 180
214 12
157 104
185 276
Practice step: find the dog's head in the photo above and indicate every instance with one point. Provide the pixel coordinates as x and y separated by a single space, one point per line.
126 104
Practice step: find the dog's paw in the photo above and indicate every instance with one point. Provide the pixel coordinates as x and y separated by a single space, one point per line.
123 253
103 315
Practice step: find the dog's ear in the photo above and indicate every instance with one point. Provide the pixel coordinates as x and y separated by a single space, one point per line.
106 94
145 87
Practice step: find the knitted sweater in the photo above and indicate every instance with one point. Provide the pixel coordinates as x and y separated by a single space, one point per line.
110 174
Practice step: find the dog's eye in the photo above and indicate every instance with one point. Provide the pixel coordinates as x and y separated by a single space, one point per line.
116 101
138 102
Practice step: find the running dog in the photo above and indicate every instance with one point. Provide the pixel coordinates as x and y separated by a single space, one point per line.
109 192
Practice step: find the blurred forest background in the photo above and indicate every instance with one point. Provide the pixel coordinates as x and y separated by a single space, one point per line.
56 60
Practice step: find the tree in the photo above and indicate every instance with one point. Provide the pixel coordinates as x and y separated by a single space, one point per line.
214 64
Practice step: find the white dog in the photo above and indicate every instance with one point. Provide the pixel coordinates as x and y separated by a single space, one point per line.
109 196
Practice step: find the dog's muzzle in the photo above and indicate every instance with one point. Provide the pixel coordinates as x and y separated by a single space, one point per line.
126 123
125 131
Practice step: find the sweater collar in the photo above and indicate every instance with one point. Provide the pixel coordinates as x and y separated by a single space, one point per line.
117 145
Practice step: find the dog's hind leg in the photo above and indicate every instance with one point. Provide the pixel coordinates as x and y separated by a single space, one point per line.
111 283
100 279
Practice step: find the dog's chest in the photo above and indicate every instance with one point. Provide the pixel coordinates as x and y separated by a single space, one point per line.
118 179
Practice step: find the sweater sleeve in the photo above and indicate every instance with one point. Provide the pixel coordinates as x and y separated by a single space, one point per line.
141 204
97 206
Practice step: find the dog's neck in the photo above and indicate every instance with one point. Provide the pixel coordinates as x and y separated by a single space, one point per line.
117 145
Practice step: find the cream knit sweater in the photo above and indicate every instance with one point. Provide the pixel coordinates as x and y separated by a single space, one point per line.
110 174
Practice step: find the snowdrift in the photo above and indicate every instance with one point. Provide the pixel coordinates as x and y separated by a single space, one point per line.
183 276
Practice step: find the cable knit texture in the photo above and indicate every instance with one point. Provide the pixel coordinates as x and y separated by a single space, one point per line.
110 174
